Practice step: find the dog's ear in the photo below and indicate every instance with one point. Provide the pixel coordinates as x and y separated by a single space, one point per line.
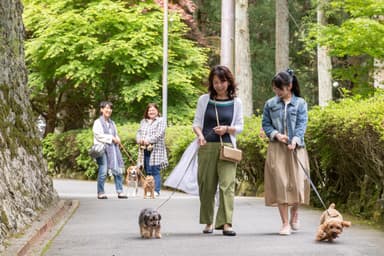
346 223
323 228
321 234
147 215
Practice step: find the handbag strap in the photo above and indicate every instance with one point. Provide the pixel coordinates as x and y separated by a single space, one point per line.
218 123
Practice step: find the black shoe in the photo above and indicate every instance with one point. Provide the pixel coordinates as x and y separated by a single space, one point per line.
122 196
208 231
229 233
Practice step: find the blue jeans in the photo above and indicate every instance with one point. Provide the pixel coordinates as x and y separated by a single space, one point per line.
102 175
153 170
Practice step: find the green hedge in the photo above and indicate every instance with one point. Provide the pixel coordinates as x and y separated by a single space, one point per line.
346 148
345 143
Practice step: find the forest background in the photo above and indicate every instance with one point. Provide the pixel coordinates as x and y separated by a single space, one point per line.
81 52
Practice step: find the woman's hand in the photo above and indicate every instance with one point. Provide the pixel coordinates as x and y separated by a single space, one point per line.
202 140
292 146
220 130
116 140
282 138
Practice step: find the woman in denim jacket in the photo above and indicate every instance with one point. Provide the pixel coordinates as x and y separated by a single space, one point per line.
284 122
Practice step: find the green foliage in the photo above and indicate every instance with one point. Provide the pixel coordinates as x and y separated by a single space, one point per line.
251 169
177 140
262 44
345 142
94 50
354 36
74 161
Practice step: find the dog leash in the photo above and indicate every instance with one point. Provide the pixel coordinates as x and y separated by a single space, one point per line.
131 159
173 192
128 154
310 181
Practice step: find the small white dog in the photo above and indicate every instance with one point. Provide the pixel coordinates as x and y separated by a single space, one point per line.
132 180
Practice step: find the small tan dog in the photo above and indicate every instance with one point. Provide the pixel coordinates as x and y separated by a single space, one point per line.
132 180
331 224
149 222
149 186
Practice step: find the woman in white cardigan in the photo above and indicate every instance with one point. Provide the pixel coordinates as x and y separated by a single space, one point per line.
105 132
218 114
201 158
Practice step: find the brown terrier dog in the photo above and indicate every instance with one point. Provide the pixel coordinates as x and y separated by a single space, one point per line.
149 222
149 186
331 224
132 180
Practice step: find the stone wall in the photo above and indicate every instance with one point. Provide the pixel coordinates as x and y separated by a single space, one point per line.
25 187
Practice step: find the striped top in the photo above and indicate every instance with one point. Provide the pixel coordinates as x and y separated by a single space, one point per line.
225 111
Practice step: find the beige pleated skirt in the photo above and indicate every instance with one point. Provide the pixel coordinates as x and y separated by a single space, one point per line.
284 179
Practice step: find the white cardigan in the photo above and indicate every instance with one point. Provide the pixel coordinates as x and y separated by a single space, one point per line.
237 120
99 137
184 175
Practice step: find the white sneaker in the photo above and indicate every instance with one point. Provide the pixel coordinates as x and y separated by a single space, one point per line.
157 194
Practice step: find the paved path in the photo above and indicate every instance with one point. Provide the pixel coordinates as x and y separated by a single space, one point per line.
109 227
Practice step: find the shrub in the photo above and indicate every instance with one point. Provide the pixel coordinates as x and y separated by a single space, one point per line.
345 143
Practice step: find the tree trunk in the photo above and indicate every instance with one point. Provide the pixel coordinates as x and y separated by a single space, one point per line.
243 71
227 33
378 76
282 35
324 65
25 187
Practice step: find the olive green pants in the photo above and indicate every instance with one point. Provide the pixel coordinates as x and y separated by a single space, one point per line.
212 172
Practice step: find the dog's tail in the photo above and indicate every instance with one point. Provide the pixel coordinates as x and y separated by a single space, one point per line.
332 206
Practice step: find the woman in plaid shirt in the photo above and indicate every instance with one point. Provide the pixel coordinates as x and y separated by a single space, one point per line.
151 138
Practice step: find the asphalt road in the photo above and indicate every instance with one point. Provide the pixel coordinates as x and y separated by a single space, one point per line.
110 227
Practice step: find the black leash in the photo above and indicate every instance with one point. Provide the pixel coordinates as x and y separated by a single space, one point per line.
307 174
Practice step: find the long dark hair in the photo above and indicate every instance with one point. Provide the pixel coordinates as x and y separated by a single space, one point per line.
284 78
224 74
149 106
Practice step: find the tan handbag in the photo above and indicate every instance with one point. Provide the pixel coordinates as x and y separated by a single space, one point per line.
228 153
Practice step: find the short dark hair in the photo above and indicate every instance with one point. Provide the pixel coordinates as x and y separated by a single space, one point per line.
103 104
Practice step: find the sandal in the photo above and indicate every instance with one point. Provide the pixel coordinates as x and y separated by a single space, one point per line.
102 196
285 230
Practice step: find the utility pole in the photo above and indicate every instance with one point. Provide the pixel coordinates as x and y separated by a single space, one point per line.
165 61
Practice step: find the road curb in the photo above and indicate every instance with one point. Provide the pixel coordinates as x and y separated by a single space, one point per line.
34 238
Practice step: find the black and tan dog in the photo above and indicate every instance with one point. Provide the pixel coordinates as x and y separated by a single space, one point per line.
149 222
331 224
149 186
132 180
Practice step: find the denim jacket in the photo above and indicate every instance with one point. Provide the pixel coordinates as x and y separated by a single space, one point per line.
297 118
